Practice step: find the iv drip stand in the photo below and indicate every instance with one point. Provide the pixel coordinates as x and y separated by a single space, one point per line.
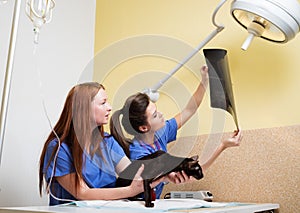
8 73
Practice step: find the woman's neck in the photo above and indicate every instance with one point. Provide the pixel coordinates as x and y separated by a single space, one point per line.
147 138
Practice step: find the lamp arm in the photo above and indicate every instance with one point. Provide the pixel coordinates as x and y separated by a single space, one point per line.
178 66
218 29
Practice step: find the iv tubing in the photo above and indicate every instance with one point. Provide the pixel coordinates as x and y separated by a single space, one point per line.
8 73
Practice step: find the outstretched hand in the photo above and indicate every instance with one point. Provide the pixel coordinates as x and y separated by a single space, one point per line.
234 140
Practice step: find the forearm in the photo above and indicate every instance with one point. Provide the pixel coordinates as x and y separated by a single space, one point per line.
106 193
233 141
197 98
83 192
194 101
212 158
191 106
198 95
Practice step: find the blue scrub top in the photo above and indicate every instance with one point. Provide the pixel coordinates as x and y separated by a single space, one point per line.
163 136
96 172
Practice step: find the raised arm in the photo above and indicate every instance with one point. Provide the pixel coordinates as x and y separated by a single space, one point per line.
195 100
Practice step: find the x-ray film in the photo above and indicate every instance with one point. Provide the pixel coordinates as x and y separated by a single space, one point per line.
221 94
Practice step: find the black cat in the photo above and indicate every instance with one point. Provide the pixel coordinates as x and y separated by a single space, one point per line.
156 165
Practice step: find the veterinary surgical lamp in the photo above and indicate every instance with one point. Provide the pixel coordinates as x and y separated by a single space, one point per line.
274 20
39 12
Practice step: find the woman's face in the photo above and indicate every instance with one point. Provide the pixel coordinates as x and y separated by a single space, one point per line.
155 119
101 108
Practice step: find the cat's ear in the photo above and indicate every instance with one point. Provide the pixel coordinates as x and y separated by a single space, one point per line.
195 158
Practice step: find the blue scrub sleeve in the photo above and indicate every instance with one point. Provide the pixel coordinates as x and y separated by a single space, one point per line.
172 129
116 151
64 161
168 133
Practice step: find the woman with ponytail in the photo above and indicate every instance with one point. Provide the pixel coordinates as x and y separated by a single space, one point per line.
150 132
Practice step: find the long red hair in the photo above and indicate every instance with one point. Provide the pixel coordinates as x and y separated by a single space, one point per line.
75 127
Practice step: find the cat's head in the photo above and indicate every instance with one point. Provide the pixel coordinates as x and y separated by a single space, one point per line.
193 168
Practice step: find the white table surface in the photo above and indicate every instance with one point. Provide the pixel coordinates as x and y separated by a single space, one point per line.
68 209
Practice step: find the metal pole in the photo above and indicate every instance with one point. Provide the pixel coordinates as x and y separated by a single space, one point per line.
196 50
8 73
218 29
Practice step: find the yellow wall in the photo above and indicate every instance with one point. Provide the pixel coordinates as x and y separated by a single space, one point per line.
266 83
265 77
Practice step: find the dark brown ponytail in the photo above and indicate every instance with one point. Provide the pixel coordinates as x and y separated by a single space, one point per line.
117 132
133 116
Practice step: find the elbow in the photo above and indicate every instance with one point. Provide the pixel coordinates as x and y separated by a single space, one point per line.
83 194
